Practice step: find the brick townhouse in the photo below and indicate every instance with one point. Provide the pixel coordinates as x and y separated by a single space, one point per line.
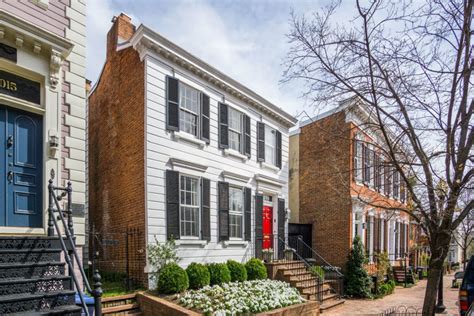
42 130
179 150
339 181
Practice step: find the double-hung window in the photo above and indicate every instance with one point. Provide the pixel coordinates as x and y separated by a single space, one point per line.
396 184
189 105
270 145
236 212
189 206
358 160
235 130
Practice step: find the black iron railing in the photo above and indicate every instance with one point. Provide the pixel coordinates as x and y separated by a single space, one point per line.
332 274
274 249
56 194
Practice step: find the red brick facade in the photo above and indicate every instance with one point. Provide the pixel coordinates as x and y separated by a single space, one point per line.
327 189
116 148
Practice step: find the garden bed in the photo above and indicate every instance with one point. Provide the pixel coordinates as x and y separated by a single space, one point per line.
259 297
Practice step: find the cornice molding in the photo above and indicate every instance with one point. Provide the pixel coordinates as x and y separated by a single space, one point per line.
147 41
175 162
30 32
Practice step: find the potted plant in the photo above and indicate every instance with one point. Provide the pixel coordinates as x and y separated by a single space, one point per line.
289 253
267 254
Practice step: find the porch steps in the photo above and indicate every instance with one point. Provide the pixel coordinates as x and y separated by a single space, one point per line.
399 275
296 273
32 278
121 305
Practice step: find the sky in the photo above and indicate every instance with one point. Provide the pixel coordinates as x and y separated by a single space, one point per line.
245 39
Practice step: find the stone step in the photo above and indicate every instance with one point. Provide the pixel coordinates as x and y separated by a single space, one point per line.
31 270
13 256
11 286
36 302
327 306
120 308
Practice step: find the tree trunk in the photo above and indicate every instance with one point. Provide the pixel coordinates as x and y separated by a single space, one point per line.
438 255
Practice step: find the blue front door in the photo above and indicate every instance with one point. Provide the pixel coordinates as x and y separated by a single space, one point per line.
21 171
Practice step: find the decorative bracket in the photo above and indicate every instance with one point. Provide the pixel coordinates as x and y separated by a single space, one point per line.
54 67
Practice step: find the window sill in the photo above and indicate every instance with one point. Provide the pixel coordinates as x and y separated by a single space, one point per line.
269 166
191 242
235 153
189 138
235 242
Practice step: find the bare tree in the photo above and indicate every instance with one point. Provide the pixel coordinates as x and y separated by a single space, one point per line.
411 66
464 234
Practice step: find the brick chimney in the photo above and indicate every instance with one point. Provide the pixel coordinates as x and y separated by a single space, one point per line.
121 31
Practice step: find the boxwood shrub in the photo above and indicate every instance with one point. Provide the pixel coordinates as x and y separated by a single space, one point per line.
238 273
198 275
256 270
219 273
172 279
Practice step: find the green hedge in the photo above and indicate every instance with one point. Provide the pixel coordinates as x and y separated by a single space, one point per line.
219 273
198 275
256 270
238 273
172 279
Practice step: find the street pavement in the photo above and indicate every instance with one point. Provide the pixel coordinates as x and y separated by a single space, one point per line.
409 297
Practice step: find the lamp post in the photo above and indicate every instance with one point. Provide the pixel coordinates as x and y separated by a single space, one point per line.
440 306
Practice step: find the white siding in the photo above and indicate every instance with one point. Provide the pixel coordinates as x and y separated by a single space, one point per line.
161 146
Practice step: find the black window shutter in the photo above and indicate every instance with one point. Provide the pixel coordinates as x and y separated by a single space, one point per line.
260 141
354 159
278 149
205 209
205 118
385 233
223 196
247 138
248 213
258 225
281 227
172 105
172 204
223 125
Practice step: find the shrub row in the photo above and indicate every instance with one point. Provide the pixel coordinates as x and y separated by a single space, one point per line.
174 279
386 288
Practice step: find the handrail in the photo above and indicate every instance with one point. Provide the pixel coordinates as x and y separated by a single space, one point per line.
308 247
307 265
54 201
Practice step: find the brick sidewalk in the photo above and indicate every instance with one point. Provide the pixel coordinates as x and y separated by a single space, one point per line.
402 296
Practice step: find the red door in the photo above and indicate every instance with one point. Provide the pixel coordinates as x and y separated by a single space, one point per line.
267 228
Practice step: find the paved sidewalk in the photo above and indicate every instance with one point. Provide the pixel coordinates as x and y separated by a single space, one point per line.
402 296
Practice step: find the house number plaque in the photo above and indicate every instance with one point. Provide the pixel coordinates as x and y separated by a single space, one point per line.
19 87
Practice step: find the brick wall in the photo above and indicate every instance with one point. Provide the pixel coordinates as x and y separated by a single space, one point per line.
116 144
327 188
324 176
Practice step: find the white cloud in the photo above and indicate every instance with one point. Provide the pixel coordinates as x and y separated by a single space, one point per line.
245 41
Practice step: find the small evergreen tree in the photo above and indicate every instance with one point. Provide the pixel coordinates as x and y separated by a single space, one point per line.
358 282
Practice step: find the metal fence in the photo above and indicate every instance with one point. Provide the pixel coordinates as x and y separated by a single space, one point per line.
120 258
402 311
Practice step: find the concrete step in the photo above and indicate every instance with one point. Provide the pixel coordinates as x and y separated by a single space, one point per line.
327 306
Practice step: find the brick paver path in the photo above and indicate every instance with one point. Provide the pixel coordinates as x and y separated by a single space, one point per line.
402 296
